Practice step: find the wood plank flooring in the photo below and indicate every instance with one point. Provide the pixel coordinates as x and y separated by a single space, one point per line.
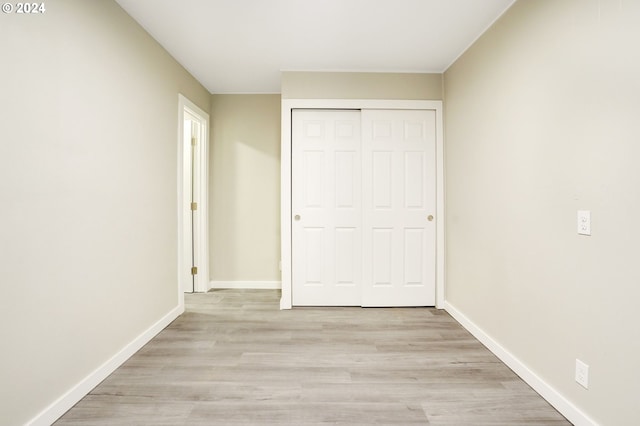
235 359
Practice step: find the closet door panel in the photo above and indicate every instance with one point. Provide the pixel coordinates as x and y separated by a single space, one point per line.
363 207
398 155
326 208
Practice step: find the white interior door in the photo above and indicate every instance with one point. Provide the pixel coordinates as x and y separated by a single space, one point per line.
192 197
326 208
190 184
196 242
363 207
399 193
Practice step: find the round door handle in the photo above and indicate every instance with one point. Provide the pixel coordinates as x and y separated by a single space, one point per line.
297 217
430 218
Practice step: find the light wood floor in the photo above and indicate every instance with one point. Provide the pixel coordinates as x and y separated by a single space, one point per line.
235 358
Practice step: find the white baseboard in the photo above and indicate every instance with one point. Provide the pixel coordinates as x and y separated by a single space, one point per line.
553 397
271 285
54 411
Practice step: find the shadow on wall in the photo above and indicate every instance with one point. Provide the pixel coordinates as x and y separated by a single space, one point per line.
245 188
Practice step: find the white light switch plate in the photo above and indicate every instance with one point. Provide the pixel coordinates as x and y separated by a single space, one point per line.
584 222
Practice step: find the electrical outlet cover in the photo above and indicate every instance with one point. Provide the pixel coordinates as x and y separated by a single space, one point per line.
582 374
584 222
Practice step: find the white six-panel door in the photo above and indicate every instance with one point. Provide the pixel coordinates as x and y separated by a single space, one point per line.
363 191
399 193
326 202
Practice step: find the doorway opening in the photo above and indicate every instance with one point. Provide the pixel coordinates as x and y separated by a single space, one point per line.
193 239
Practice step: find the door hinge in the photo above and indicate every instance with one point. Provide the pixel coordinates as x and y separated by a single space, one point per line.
194 141
194 270
194 206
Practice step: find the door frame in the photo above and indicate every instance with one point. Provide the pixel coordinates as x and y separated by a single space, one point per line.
201 238
285 179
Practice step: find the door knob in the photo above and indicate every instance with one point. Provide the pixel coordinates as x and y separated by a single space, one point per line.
297 217
430 217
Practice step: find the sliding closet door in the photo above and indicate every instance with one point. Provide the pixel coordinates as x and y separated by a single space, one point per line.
399 193
326 208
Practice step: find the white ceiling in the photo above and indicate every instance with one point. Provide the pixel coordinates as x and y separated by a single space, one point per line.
241 46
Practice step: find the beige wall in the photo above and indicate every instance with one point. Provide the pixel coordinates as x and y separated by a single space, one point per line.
88 227
354 85
244 187
541 121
